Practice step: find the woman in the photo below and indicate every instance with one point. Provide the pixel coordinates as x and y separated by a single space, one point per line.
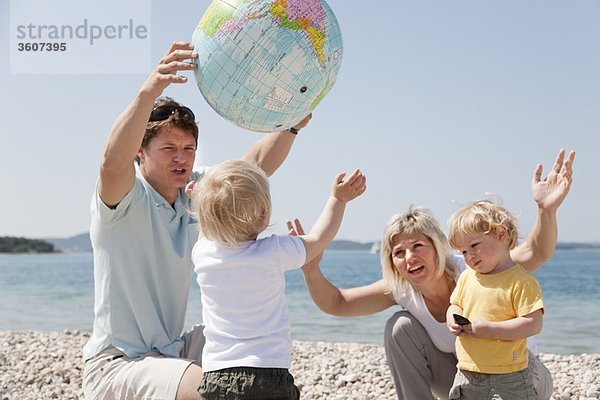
419 273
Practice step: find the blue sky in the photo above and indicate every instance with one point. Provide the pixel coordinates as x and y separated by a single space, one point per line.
437 102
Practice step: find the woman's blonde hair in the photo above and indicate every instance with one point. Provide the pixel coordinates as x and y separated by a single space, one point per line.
232 202
418 220
483 217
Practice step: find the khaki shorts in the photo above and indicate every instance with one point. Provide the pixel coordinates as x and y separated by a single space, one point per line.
111 375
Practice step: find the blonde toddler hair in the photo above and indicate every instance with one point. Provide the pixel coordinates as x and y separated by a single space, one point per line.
232 202
483 217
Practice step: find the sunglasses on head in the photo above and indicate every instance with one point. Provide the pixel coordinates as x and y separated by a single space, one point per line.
161 113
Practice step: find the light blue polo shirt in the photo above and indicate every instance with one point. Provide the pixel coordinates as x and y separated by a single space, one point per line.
142 271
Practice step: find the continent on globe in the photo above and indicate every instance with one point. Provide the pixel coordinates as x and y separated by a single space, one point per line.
266 64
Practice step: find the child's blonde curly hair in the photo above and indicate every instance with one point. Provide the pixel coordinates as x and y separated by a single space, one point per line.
483 217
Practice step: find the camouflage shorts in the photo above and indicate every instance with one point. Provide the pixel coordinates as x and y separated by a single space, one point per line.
246 383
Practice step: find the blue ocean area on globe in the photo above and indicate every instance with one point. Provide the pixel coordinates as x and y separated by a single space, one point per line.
264 65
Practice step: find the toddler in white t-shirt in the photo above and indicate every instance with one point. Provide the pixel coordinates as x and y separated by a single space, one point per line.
248 344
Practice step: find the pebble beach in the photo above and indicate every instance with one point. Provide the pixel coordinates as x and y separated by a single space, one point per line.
48 365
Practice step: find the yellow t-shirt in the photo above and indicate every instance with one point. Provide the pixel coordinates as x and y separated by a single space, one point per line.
495 297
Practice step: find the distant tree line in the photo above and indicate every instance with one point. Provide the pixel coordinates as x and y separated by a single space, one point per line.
10 244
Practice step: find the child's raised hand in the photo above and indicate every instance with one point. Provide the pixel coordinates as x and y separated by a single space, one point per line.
349 188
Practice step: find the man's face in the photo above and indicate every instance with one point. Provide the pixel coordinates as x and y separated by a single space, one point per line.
167 161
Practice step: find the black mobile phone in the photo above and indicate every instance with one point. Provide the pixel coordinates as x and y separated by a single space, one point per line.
459 319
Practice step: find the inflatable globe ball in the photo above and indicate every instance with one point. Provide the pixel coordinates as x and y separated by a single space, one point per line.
265 65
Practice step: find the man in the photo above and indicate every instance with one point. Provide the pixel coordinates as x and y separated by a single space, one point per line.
142 237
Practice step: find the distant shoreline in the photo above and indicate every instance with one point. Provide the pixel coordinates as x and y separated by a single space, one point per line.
78 246
81 244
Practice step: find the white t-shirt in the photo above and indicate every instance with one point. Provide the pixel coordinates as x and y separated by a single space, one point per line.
439 333
243 301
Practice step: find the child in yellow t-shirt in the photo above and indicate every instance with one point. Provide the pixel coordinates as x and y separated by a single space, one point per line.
501 304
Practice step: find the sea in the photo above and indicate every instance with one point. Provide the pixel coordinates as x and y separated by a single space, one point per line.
56 292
